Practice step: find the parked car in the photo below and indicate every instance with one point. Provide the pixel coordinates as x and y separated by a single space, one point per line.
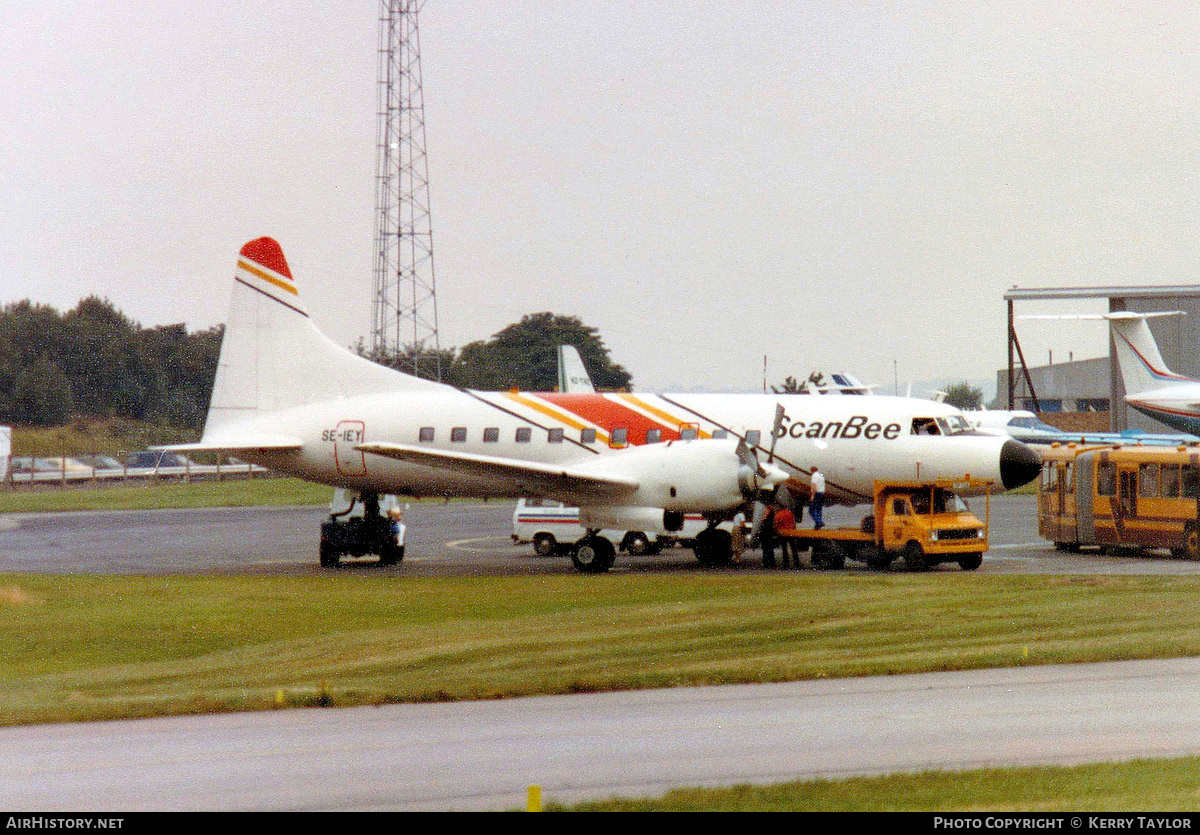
155 459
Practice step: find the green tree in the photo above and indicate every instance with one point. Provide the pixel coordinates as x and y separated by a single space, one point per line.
41 395
964 396
524 355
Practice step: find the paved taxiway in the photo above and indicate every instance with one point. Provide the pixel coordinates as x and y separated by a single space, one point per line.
483 755
443 539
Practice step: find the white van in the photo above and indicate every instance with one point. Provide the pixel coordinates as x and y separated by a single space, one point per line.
553 528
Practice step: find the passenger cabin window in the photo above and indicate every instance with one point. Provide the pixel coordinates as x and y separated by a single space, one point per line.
555 436
753 436
619 437
524 434
491 435
689 432
653 436
458 435
426 434
718 434
587 436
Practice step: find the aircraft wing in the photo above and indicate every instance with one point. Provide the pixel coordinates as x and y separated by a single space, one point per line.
537 477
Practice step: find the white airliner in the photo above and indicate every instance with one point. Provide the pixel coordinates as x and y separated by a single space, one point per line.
288 398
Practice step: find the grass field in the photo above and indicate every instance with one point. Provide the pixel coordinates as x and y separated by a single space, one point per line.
240 492
86 647
1137 786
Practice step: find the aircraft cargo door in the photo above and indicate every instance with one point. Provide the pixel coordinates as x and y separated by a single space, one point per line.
350 461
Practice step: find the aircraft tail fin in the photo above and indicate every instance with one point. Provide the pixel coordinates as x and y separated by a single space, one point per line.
572 373
272 355
1141 363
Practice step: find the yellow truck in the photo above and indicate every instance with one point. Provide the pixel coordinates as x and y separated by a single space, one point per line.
924 523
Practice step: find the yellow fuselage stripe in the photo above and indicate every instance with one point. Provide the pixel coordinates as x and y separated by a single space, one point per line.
564 417
665 418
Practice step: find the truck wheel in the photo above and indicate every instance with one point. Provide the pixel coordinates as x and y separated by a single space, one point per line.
593 555
330 558
544 544
636 544
880 562
914 557
829 556
391 555
970 562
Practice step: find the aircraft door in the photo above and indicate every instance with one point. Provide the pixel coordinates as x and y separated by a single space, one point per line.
350 461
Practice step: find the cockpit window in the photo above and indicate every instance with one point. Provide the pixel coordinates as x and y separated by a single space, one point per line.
925 426
954 425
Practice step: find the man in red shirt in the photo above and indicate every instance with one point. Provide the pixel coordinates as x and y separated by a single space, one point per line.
786 520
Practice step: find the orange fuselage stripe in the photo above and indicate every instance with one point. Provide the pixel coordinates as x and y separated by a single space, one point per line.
270 279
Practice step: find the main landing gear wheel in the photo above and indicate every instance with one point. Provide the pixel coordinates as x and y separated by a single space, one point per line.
714 547
593 555
330 558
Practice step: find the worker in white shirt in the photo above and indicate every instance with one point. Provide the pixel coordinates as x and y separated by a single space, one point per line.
816 501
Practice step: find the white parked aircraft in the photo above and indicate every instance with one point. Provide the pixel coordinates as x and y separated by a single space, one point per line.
288 398
1150 387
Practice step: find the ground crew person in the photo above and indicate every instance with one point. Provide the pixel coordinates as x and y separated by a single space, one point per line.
817 500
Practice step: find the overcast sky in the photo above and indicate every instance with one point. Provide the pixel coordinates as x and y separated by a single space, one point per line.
833 185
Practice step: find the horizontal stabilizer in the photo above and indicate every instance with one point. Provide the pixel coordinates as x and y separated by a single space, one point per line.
539 477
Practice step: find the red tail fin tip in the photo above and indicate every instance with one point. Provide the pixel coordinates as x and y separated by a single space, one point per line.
268 253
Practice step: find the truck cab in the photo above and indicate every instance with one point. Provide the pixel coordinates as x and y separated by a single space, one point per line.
926 524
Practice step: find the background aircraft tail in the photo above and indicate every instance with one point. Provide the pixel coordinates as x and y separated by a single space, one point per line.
273 357
1141 363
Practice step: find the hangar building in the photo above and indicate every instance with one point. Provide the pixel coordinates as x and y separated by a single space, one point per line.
1094 385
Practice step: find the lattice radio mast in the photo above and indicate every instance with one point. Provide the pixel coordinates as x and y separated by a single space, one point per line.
404 313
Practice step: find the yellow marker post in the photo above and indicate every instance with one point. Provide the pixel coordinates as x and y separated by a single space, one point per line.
534 803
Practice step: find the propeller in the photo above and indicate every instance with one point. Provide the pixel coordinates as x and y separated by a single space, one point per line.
770 480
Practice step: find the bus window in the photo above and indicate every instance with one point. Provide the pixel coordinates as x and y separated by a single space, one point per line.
1049 477
1148 480
1068 476
1169 481
1190 480
1106 479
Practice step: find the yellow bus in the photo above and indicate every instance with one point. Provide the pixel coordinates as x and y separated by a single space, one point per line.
1130 497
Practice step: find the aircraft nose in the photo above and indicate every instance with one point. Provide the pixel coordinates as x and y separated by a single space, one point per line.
1018 464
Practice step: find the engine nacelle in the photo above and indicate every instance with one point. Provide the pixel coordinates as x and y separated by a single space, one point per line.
698 476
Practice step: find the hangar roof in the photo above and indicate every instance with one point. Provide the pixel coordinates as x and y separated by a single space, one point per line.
1147 291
